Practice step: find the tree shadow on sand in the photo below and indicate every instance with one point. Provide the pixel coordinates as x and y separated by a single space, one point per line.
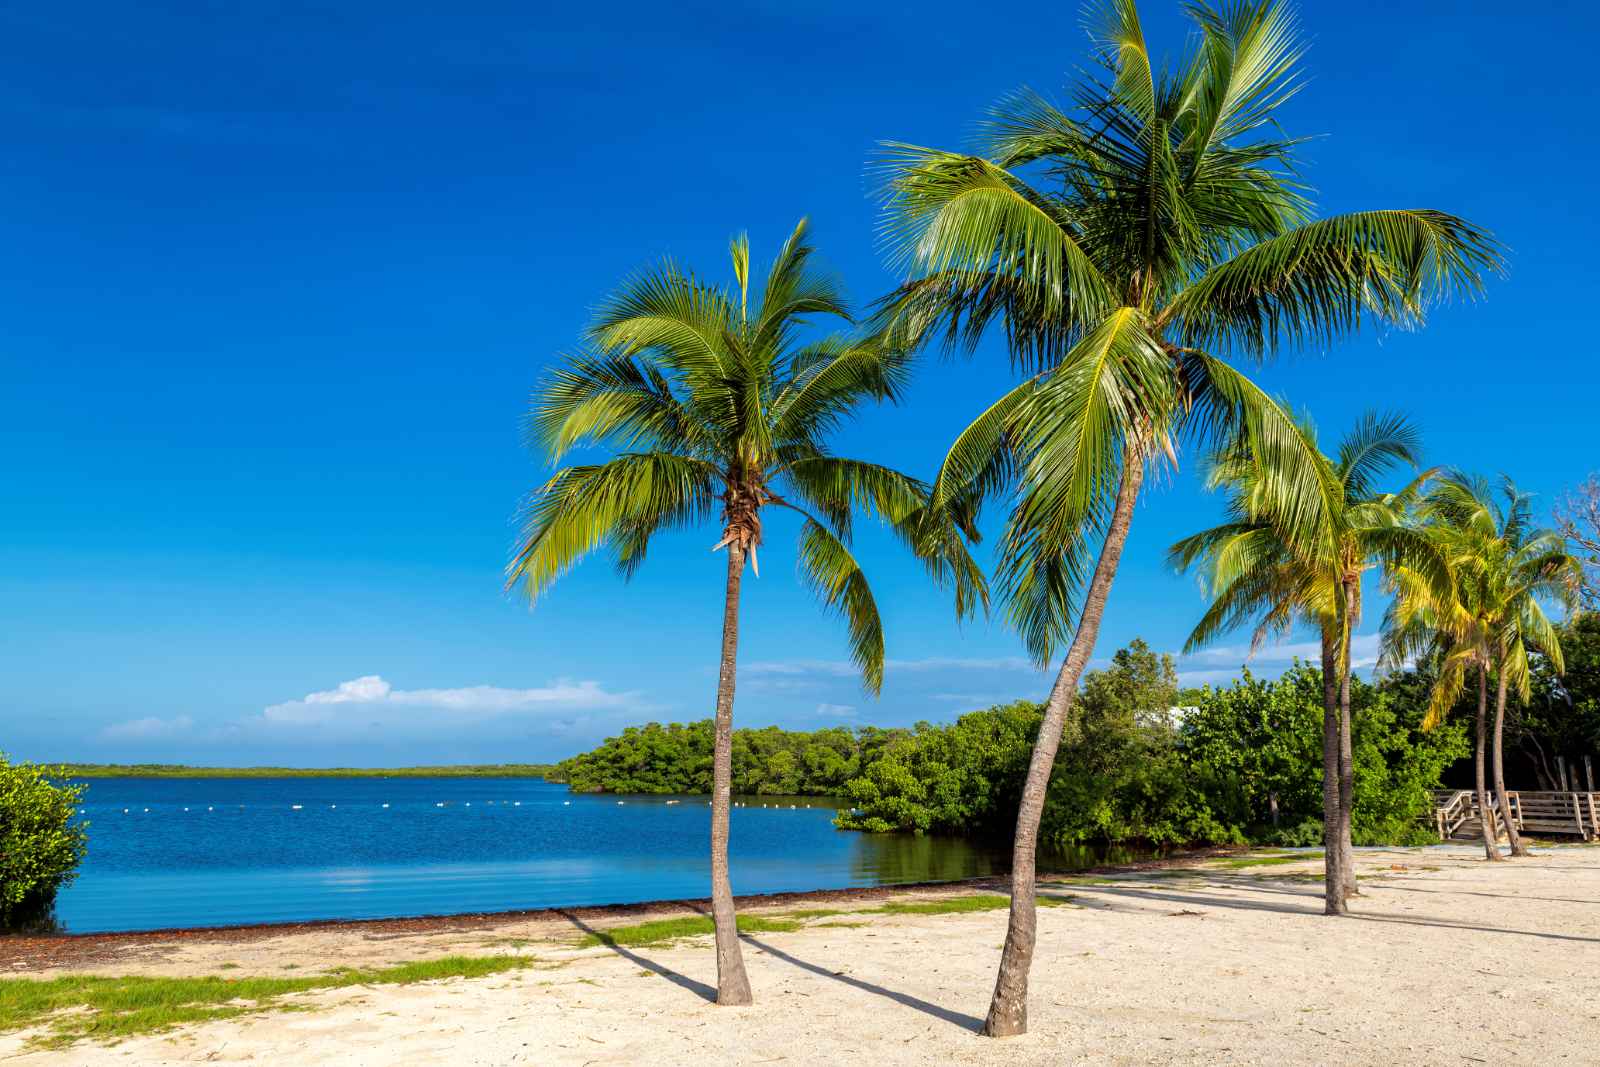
706 992
1212 900
699 989
967 1022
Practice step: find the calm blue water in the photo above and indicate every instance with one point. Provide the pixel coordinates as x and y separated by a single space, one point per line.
217 851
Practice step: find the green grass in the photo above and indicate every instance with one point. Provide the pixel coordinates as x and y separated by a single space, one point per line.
948 906
1235 863
109 1009
665 931
817 913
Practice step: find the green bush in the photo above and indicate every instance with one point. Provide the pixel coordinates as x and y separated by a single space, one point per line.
40 843
1257 738
1120 773
1130 768
676 758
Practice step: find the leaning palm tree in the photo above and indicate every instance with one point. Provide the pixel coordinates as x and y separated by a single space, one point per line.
1502 568
707 402
1260 572
1126 245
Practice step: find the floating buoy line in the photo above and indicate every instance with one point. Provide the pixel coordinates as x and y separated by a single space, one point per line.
467 804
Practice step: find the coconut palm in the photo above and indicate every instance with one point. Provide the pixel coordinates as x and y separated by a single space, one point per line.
715 411
1259 573
1126 245
1502 568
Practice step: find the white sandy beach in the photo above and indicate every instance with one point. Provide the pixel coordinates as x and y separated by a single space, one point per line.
1446 960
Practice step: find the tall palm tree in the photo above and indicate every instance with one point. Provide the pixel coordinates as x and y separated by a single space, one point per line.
706 401
1501 567
1125 246
1260 572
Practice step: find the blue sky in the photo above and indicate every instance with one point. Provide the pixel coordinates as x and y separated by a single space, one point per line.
276 284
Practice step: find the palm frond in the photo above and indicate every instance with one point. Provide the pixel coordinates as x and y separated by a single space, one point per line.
1321 280
836 577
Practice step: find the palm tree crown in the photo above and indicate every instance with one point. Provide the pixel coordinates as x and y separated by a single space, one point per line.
1256 569
1125 245
704 400
1503 569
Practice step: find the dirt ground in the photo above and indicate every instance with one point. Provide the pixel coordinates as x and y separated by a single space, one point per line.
1446 959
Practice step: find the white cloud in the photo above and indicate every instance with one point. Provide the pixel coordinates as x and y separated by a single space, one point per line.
371 698
147 728
835 711
1364 650
370 706
843 669
974 700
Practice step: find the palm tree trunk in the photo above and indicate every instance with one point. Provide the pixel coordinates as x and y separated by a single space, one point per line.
1347 774
733 986
1485 812
1517 847
1333 878
1008 1009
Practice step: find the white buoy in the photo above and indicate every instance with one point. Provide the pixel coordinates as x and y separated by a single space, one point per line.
516 803
147 811
185 809
622 802
124 811
333 805
440 804
208 808
564 803
294 807
386 805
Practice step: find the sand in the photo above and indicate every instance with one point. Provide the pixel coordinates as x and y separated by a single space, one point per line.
1446 960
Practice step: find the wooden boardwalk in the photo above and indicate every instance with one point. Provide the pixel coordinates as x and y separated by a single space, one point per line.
1457 818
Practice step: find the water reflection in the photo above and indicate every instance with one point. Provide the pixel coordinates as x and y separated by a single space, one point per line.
195 852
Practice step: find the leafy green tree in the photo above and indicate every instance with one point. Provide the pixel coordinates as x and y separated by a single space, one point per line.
1253 744
41 844
1257 740
1562 716
1128 770
1126 246
1501 568
709 403
1262 568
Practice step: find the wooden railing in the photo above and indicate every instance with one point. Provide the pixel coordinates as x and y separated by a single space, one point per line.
1576 814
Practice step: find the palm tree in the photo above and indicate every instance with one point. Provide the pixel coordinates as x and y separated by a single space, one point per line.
1257 570
1161 225
1501 568
705 401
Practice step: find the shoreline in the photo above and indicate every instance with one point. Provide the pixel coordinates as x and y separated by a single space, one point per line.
21 954
1226 960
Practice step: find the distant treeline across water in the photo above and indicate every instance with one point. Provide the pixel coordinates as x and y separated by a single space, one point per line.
178 770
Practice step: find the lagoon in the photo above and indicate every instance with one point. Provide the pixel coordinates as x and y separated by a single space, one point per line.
183 852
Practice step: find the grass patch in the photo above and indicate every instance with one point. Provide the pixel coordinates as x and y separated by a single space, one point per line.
1050 900
948 906
817 913
841 926
1239 862
109 1009
664 931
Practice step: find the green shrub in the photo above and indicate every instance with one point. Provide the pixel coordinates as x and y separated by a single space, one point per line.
1306 834
40 843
